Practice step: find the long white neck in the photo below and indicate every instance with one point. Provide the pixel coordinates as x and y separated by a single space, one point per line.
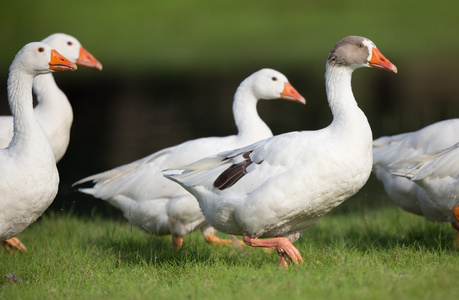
347 116
248 122
53 111
26 127
20 100
47 91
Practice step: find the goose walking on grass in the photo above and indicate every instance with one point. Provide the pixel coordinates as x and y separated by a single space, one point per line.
436 176
53 110
159 206
28 174
279 186
410 195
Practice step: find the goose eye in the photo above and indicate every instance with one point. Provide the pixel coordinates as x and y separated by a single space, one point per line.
41 49
274 78
69 43
361 45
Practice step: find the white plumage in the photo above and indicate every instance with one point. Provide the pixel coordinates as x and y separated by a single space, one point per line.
436 174
389 150
278 187
159 206
28 174
53 110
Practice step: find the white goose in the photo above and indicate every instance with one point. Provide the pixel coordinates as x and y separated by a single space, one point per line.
53 110
436 175
159 206
28 174
278 187
388 150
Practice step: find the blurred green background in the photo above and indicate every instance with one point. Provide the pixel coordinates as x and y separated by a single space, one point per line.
171 69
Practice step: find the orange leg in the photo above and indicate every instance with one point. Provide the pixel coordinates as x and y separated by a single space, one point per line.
177 242
13 244
286 251
456 212
212 239
456 224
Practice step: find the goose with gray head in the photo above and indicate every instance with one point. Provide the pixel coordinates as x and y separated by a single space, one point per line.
28 174
279 186
159 206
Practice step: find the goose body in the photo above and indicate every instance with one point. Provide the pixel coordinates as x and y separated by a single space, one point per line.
28 174
159 206
436 174
279 186
388 150
53 111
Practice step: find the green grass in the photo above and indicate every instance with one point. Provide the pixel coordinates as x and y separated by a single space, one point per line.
354 252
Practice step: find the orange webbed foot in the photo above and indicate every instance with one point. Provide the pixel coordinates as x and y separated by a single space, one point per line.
177 242
287 252
212 239
13 244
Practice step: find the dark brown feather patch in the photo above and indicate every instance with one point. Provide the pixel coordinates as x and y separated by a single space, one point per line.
232 175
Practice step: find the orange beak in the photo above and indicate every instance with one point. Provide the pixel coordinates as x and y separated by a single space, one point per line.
379 61
60 63
86 59
289 93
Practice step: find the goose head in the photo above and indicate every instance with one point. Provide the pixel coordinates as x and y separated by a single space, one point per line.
39 58
356 52
72 49
270 84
